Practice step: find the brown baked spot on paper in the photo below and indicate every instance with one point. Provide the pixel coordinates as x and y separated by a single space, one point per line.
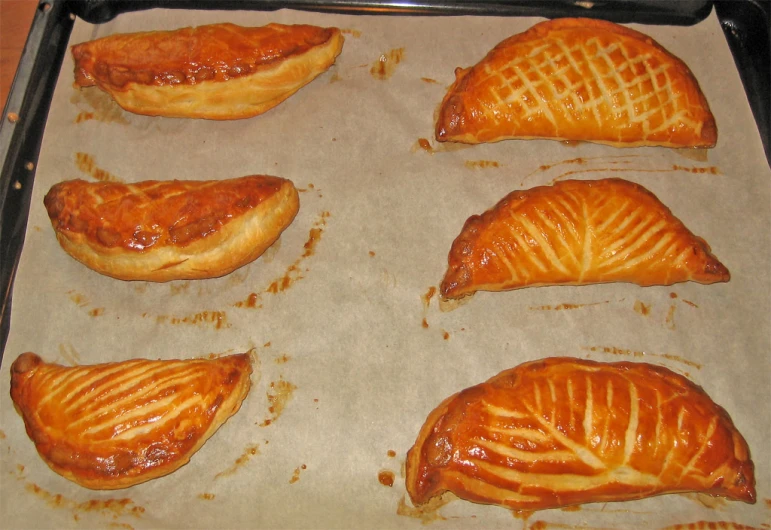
249 452
279 394
87 164
385 65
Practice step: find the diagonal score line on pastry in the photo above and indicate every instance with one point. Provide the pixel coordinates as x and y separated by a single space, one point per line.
114 425
217 71
170 230
578 79
563 431
577 232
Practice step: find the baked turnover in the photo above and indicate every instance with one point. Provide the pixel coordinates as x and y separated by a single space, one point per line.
174 230
578 79
577 232
560 431
218 72
114 425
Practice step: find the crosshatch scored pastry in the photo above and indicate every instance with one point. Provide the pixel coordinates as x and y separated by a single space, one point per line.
577 232
114 425
218 72
160 231
578 79
560 431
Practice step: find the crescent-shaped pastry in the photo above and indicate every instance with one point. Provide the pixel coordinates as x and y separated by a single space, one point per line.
114 425
175 230
562 431
218 72
577 232
578 79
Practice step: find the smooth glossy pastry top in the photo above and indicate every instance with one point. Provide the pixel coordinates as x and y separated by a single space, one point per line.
114 425
577 232
578 79
218 71
165 230
562 431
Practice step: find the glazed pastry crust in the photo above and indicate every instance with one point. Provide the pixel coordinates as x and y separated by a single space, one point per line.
174 230
562 431
218 72
577 232
578 80
114 425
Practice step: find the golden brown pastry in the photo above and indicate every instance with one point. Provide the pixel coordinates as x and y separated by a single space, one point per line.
114 425
175 230
562 431
218 72
577 232
578 79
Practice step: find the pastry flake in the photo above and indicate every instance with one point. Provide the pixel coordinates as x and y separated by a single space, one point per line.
578 79
218 71
561 431
114 425
577 232
161 231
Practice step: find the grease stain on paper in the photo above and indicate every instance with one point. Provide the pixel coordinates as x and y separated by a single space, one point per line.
616 163
97 105
385 65
216 319
249 452
296 474
481 164
386 477
568 306
87 164
113 508
355 33
632 353
427 513
422 144
710 525
294 272
279 394
642 308
69 354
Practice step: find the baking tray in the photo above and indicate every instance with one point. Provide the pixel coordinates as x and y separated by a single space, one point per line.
745 24
315 372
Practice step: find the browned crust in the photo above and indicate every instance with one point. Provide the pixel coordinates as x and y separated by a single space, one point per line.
454 422
218 72
456 123
107 463
173 230
466 275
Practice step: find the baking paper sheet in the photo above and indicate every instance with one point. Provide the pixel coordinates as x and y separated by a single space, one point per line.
354 348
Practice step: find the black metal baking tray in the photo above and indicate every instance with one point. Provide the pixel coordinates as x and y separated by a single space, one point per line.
744 22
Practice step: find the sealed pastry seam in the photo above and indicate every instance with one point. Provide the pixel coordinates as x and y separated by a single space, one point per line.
563 431
218 72
578 80
115 425
173 230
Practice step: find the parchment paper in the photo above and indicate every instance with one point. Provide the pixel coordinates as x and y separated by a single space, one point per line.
353 350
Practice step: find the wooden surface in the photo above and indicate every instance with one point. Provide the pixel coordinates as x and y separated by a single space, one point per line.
15 21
